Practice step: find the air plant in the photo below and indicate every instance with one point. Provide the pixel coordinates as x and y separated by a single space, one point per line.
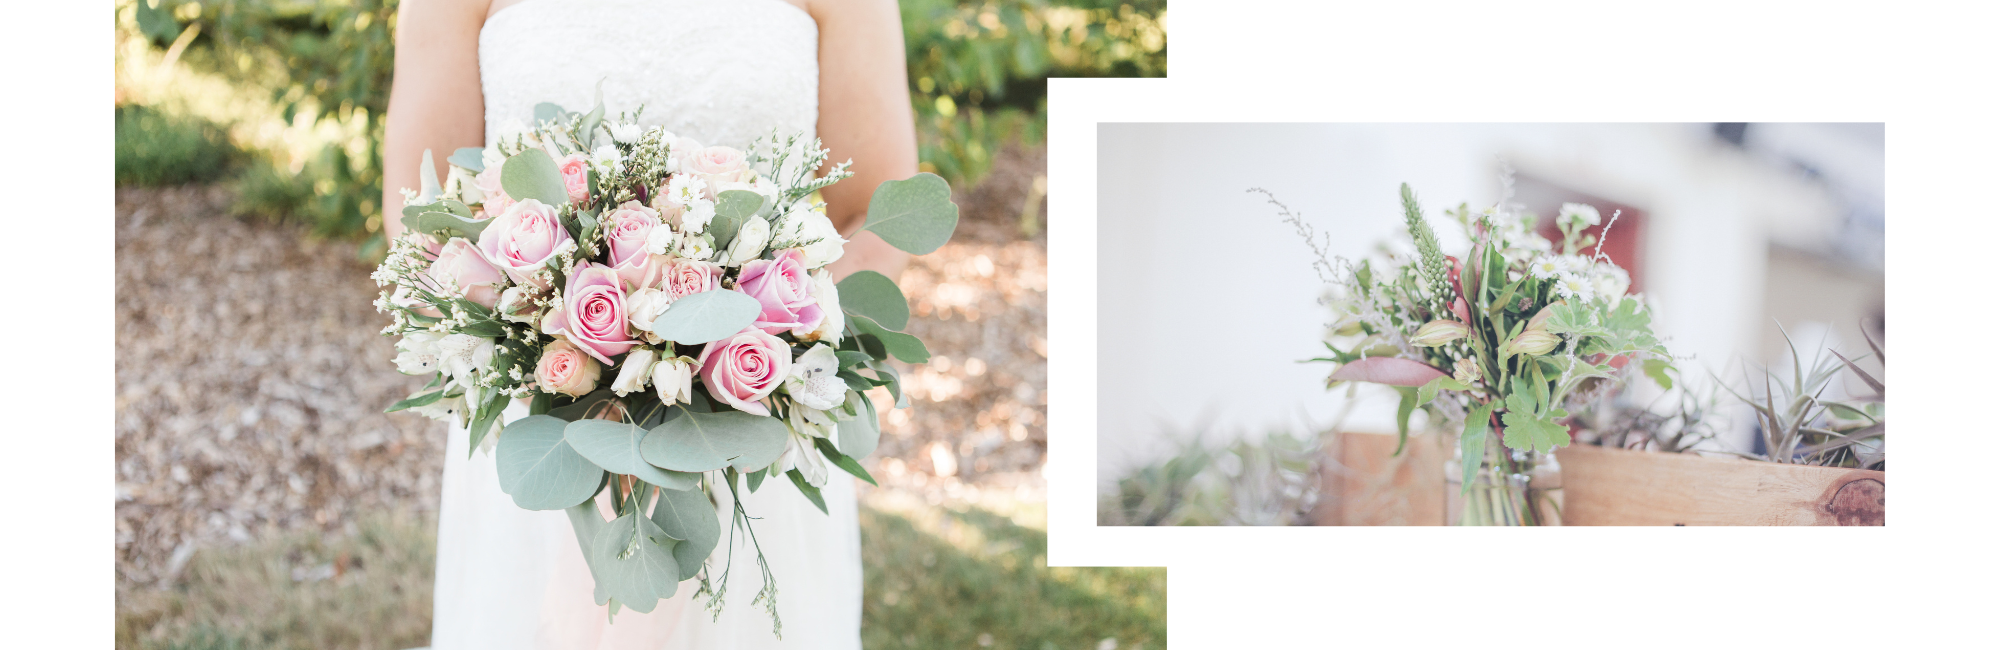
1800 427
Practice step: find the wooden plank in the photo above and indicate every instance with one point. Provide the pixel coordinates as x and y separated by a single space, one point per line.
1362 484
1615 487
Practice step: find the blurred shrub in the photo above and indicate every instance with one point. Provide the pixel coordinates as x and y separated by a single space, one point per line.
978 73
157 148
979 70
1269 482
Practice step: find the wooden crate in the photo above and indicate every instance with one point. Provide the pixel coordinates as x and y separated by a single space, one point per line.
1363 485
1615 487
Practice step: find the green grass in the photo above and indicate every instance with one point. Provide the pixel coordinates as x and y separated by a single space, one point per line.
952 576
970 577
155 147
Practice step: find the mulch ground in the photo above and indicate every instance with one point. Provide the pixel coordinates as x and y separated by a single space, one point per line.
251 375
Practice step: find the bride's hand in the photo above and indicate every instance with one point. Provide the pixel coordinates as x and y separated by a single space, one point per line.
864 115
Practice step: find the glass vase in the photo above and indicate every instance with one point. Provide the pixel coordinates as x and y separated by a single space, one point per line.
1510 488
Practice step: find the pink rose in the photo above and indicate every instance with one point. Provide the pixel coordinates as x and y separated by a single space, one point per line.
522 240
785 290
686 277
594 312
460 264
496 201
575 170
744 368
627 229
564 368
716 165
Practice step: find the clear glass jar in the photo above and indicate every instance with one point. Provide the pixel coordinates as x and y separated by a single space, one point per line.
1510 488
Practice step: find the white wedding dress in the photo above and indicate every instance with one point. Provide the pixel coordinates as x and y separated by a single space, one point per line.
720 72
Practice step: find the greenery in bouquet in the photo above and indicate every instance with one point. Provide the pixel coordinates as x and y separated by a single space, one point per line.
1507 338
580 260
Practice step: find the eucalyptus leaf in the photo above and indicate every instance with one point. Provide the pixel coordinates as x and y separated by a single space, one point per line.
587 131
614 446
539 469
733 208
587 522
547 112
756 479
874 295
907 348
473 159
450 224
700 442
859 435
711 315
582 407
914 214
687 515
635 562
532 174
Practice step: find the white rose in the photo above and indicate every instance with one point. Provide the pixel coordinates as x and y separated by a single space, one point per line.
492 158
458 182
749 242
827 294
673 379
632 374
644 306
517 305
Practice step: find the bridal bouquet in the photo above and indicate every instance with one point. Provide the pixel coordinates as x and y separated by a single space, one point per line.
665 310
1502 339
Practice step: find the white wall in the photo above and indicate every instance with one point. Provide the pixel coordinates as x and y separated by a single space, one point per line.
1207 301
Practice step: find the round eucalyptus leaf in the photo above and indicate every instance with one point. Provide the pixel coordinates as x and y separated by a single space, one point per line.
634 562
859 435
707 316
700 442
687 515
539 469
532 174
914 214
874 295
614 446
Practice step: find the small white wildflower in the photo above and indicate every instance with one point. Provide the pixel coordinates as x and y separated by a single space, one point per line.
697 215
605 159
697 247
626 132
685 189
1546 267
660 240
1579 212
1571 285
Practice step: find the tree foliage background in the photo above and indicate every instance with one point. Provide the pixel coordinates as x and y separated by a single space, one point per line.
284 98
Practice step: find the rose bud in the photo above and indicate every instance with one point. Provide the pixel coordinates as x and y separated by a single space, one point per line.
1439 332
564 368
1533 343
634 373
